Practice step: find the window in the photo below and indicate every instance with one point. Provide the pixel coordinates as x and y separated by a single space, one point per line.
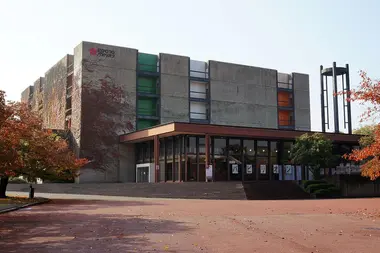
198 90
198 69
285 99
198 110
285 118
262 148
284 81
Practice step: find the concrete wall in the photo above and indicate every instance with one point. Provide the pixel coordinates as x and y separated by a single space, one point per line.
127 169
54 98
174 88
103 105
25 95
38 95
301 101
243 95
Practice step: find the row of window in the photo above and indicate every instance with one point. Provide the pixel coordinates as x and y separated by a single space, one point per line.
219 147
199 94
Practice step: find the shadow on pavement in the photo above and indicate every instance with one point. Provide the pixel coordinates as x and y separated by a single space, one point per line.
48 229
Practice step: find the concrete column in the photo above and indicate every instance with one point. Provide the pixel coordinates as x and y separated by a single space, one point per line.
180 159
207 151
156 155
185 154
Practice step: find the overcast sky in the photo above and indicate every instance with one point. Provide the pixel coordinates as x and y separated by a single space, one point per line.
287 35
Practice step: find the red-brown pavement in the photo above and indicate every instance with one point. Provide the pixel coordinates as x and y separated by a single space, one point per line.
156 225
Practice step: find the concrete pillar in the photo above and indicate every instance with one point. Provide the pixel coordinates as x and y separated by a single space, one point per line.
207 151
156 155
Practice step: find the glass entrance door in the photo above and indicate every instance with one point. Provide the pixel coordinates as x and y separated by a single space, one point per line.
143 175
235 159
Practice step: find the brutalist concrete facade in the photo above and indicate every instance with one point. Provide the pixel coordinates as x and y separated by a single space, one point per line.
301 102
104 107
92 94
37 102
243 95
54 99
27 95
174 82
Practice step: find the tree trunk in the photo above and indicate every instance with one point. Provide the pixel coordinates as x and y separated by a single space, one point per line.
3 187
316 172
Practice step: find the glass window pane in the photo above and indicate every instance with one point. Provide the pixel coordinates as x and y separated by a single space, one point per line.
169 149
249 160
151 151
202 145
234 147
162 149
191 145
273 149
262 148
286 152
140 153
220 159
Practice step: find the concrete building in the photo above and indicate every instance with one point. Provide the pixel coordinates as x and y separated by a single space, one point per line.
144 117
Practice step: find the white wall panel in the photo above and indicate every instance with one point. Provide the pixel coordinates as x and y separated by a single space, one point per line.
198 69
198 110
198 89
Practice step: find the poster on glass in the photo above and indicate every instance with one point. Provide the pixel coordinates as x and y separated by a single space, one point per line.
263 168
249 168
235 169
275 169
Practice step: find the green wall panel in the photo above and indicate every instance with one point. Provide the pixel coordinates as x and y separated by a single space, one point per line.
147 106
145 123
147 85
148 62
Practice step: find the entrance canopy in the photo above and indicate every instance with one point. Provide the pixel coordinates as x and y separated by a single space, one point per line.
180 128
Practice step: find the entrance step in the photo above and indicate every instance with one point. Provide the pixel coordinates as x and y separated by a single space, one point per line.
186 190
274 190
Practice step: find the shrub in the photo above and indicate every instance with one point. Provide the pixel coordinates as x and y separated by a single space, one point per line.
17 180
314 187
306 183
327 193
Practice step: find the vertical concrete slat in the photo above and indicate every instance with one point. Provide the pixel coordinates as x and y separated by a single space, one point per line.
185 154
156 154
207 152
180 139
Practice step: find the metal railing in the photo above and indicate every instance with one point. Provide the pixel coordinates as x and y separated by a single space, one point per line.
198 94
287 123
146 112
146 89
148 67
285 103
199 74
199 115
285 85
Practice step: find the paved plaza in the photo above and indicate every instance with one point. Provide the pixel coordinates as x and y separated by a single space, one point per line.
158 225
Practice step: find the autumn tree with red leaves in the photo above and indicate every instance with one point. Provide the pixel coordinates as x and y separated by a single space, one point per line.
29 151
368 155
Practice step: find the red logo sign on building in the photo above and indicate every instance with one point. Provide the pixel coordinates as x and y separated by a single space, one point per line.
93 51
102 52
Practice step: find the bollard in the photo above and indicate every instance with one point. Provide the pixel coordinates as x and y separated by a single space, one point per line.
31 192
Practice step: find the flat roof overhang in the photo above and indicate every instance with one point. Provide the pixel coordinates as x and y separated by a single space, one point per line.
178 128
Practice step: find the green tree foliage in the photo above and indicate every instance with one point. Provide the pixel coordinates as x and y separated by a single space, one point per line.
314 151
368 133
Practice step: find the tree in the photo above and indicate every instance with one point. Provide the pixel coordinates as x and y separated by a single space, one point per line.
314 151
369 155
368 133
28 150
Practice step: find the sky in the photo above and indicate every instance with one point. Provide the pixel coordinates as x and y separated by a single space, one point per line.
287 35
